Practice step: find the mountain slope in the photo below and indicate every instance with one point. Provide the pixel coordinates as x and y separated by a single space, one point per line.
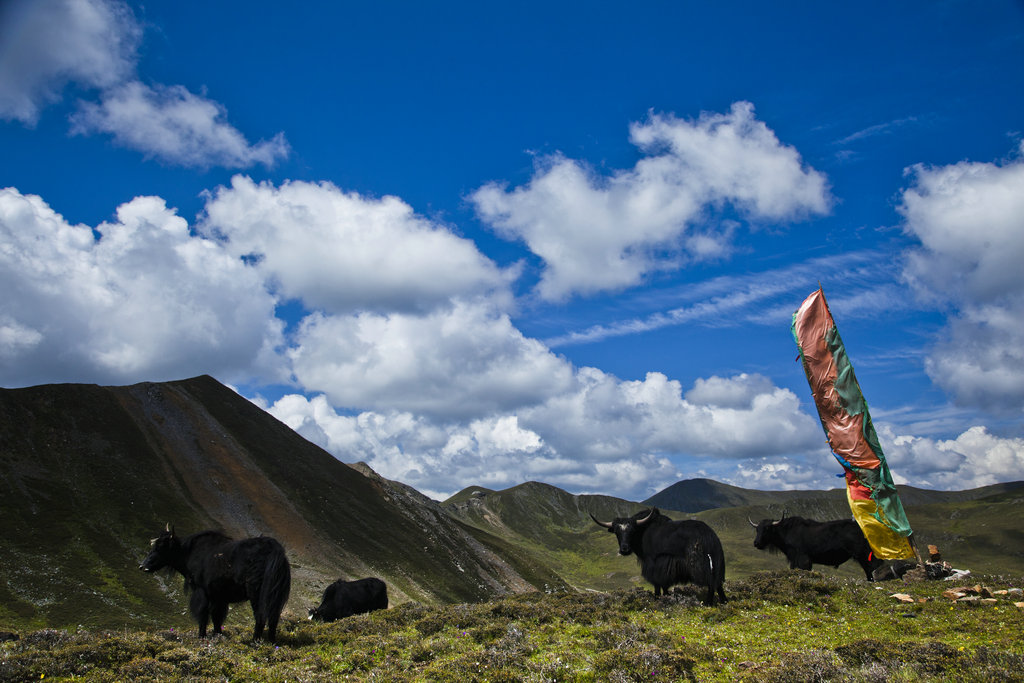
697 495
553 527
979 529
90 474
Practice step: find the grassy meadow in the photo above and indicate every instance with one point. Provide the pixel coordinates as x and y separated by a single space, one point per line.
777 626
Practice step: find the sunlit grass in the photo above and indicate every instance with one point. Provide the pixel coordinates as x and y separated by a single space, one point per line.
777 626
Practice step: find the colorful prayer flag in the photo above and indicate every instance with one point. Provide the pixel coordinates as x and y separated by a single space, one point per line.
844 416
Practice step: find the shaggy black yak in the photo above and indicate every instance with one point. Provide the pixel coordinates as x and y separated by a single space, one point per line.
219 570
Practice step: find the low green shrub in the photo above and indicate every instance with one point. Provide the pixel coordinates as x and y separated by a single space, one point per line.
777 626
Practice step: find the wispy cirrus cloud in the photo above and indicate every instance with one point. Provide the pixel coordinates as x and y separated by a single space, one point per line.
887 128
765 298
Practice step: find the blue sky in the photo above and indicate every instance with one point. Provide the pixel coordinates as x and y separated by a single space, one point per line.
477 245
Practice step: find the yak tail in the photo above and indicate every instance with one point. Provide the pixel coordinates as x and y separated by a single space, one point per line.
277 585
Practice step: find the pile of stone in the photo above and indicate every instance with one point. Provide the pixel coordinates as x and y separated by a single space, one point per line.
933 569
981 595
972 595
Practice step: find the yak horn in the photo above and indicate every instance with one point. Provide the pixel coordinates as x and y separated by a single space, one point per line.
646 519
751 523
606 525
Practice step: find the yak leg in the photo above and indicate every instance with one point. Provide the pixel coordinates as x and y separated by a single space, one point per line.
259 618
866 566
800 562
199 605
721 594
218 613
272 626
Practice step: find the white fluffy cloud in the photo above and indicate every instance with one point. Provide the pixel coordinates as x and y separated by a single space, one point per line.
438 397
729 392
175 125
815 471
144 300
442 393
600 435
342 252
606 233
463 361
606 418
974 458
969 218
437 460
47 44
416 368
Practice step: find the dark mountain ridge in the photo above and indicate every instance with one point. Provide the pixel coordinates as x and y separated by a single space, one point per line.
697 495
90 474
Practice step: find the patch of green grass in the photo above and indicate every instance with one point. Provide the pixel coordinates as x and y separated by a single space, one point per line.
777 626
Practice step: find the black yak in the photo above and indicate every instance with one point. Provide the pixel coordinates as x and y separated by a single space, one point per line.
345 598
219 571
672 552
806 542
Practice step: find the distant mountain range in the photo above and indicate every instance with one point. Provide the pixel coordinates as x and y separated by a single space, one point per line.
697 495
978 529
90 474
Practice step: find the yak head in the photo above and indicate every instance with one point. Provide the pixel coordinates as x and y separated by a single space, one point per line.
628 530
163 551
767 537
314 614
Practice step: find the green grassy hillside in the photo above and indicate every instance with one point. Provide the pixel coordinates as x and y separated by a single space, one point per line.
553 527
89 474
979 530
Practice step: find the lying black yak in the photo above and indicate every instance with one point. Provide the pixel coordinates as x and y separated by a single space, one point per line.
345 598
